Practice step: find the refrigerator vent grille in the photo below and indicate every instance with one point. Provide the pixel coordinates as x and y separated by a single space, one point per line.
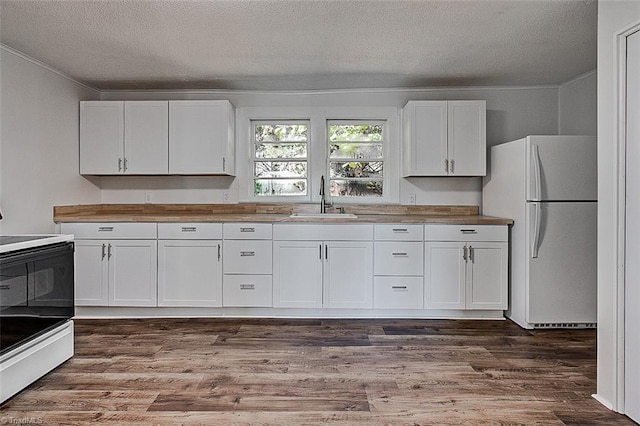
566 325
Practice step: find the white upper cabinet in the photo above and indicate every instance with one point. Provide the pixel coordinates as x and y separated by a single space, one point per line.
124 137
444 138
146 137
201 137
101 137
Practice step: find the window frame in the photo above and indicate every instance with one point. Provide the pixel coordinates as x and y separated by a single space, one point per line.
255 159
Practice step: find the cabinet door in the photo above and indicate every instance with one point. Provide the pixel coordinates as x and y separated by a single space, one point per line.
425 138
467 138
91 273
189 273
199 135
133 269
444 275
101 137
297 274
486 286
146 137
348 274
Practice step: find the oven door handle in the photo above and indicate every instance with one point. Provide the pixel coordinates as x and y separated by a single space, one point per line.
36 254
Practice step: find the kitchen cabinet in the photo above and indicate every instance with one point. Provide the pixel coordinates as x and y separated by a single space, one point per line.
247 265
201 138
190 264
398 267
468 274
328 266
444 138
124 137
115 271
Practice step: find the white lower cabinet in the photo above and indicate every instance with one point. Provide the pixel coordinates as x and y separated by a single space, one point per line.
466 275
116 272
252 291
399 292
190 273
116 264
315 273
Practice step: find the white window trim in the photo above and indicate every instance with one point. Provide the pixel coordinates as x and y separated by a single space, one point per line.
317 154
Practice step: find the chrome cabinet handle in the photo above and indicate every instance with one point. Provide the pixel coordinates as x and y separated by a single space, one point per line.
464 253
471 254
400 230
224 164
446 165
105 229
218 252
119 164
320 251
104 247
247 229
400 254
247 286
326 251
451 165
468 231
399 287
125 164
109 252
247 253
188 229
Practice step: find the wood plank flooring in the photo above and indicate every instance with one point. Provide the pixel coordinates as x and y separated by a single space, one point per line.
293 372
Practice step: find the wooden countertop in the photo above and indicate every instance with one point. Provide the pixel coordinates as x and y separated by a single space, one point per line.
270 213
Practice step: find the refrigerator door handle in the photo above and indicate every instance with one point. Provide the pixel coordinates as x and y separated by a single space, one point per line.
537 211
537 190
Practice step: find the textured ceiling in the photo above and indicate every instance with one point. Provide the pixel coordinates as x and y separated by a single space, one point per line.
300 45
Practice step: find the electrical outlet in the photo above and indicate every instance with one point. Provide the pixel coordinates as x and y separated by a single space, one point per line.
412 199
148 197
225 196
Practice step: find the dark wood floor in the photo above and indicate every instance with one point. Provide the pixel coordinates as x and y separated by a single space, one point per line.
373 372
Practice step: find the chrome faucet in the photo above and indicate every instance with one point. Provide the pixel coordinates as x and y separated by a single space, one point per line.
323 201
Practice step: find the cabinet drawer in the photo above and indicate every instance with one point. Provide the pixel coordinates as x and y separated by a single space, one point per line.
397 293
398 232
333 232
465 232
247 291
105 231
398 258
247 231
189 231
247 256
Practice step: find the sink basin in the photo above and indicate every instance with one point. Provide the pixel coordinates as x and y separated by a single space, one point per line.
324 216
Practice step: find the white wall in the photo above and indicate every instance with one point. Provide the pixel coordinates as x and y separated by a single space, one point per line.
577 105
511 114
38 145
613 16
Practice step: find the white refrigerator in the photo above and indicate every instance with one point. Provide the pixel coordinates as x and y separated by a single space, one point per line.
548 186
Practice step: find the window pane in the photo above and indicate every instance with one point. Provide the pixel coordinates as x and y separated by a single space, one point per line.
355 132
279 187
280 169
281 133
355 188
356 169
285 150
356 150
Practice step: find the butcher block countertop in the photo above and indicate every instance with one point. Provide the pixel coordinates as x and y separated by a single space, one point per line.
272 213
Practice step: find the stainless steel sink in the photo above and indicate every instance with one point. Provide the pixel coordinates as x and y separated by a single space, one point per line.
324 216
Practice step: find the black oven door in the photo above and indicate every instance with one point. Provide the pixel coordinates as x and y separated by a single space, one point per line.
36 292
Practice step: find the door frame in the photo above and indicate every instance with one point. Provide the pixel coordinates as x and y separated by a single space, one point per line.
620 144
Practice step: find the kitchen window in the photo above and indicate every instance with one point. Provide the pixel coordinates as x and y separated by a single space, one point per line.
356 158
280 154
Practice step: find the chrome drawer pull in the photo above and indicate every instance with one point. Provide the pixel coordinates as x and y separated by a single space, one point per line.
105 228
247 286
5 287
468 231
400 254
399 287
400 230
247 253
188 229
247 229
